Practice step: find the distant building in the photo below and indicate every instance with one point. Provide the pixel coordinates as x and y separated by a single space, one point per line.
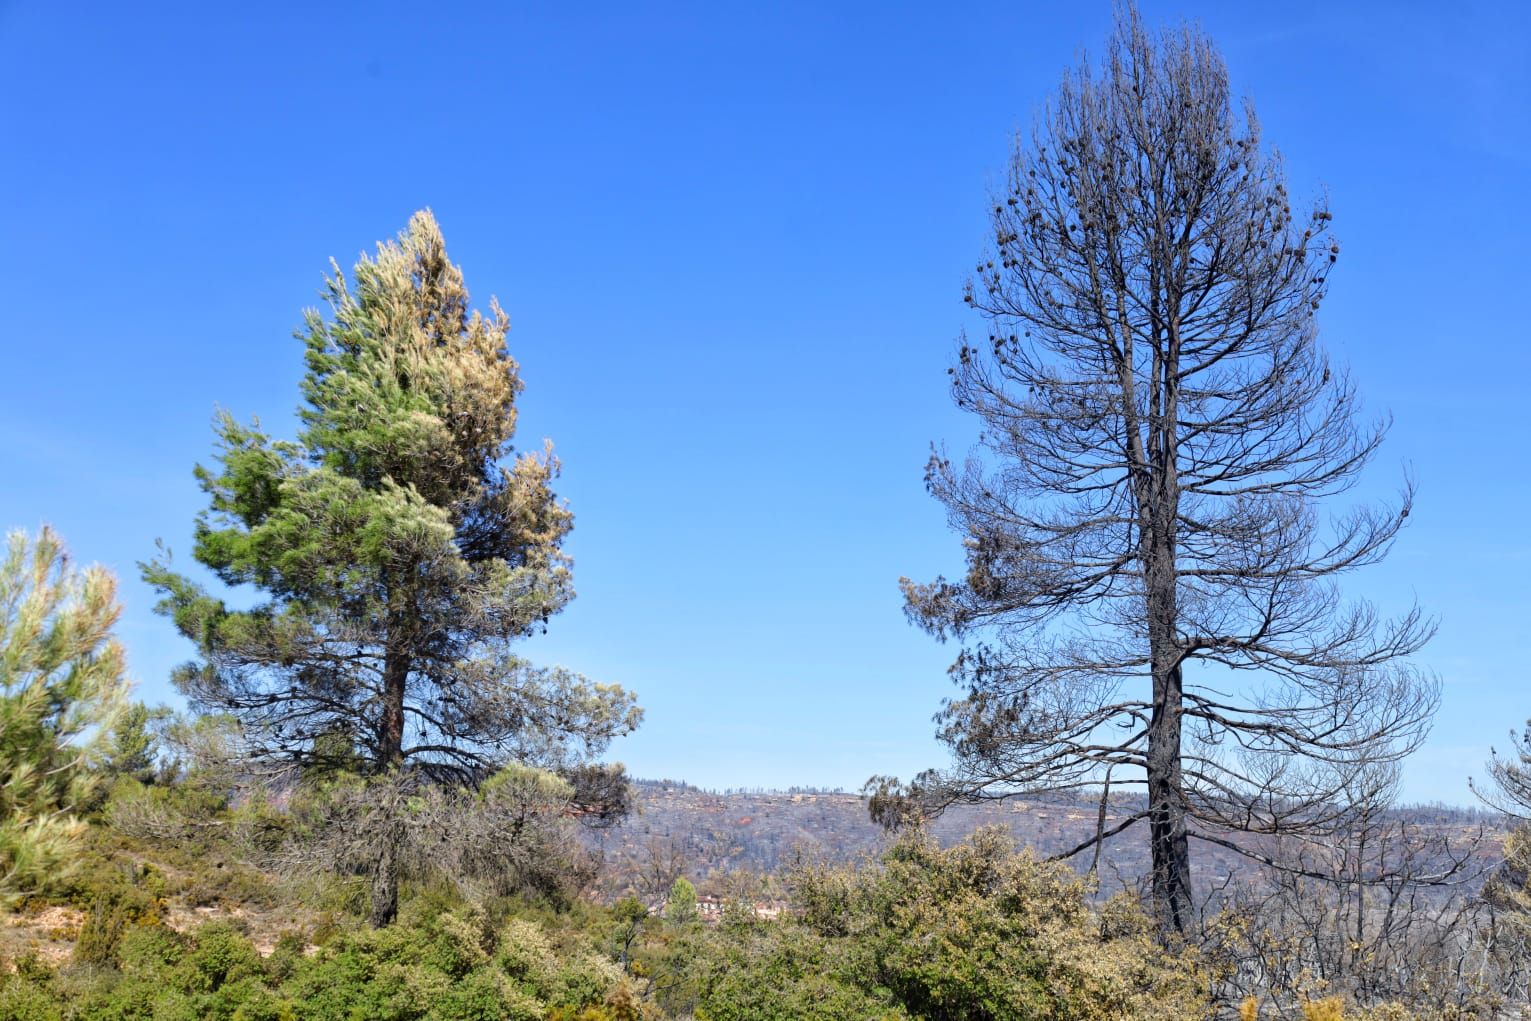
711 909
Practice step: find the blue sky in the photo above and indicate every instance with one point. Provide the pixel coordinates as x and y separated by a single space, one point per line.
732 241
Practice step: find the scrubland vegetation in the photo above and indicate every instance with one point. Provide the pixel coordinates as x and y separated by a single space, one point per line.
373 807
184 902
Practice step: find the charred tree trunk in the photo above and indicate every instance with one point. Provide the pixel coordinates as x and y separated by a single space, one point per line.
1168 842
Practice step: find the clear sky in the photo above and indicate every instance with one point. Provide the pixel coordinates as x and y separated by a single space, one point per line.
732 240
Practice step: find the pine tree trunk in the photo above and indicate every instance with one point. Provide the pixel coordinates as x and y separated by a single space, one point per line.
391 737
1168 842
385 880
1166 809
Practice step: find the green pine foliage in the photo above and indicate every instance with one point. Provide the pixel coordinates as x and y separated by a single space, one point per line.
62 688
130 749
401 547
680 907
399 554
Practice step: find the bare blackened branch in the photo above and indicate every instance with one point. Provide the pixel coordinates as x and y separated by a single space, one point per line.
1151 586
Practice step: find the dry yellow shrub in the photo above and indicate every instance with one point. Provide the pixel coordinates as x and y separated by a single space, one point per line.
1331 1008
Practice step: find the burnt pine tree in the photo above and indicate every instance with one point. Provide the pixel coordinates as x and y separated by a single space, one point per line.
1150 591
401 551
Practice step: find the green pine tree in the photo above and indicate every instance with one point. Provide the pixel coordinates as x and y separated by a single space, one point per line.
680 908
133 744
61 690
401 551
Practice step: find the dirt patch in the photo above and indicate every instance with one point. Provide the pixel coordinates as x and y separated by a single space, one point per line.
262 927
49 932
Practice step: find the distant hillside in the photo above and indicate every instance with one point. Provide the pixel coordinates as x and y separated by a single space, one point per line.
706 832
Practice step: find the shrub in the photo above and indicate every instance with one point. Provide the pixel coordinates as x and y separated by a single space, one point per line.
150 949
219 955
23 1000
99 935
976 930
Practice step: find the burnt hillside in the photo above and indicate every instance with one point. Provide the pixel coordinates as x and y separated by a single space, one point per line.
708 833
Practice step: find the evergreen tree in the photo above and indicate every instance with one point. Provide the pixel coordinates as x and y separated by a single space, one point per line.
133 745
680 908
61 690
400 555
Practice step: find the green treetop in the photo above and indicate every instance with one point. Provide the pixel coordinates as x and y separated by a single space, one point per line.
400 546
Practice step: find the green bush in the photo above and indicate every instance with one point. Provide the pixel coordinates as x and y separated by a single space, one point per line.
116 898
151 949
285 958
972 931
219 955
137 892
24 1000
96 946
